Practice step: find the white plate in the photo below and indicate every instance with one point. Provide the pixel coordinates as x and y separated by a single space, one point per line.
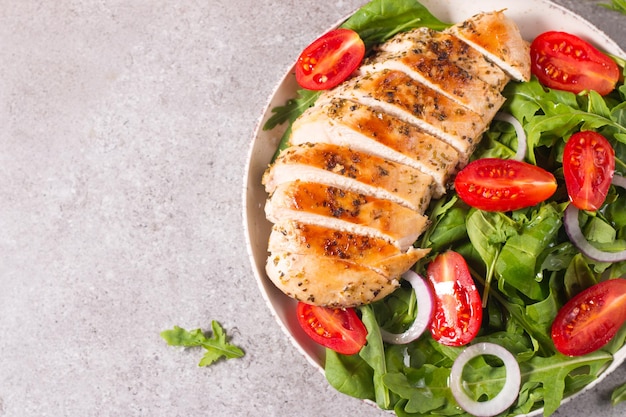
532 16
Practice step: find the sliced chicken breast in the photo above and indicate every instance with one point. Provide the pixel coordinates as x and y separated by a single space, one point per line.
323 205
440 73
346 123
377 254
499 39
448 47
327 282
356 171
396 93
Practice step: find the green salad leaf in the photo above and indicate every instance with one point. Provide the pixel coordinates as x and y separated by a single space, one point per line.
380 20
617 5
216 347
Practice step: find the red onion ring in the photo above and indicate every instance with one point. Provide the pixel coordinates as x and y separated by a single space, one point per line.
507 394
519 131
425 303
572 228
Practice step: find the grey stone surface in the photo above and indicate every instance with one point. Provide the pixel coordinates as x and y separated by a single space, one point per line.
124 128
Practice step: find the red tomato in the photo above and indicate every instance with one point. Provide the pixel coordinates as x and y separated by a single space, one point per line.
330 59
588 167
590 319
339 329
458 310
493 184
565 62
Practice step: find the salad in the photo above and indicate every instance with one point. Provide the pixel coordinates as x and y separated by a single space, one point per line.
565 249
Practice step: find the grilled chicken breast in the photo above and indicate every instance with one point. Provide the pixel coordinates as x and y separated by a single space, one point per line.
346 123
440 73
398 94
446 46
334 207
498 38
357 171
348 195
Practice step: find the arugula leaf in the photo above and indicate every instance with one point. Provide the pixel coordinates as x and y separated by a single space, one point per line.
618 395
617 5
553 374
216 346
292 109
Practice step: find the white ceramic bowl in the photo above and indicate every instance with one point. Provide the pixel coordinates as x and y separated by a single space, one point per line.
532 16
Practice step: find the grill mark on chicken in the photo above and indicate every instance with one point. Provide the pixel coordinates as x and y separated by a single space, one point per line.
438 72
345 123
340 166
346 210
396 93
446 46
497 38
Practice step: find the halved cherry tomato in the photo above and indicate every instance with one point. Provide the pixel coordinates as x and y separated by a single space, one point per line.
493 184
458 310
330 59
339 329
588 167
591 318
565 62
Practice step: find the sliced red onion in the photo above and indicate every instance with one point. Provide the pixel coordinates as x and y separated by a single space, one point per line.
519 131
619 180
509 391
572 228
424 311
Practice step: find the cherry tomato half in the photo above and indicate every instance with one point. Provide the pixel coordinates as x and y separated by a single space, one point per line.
494 184
565 62
330 59
588 168
458 310
591 318
339 329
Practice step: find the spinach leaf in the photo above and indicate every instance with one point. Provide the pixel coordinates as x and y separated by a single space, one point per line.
350 375
374 354
517 265
379 20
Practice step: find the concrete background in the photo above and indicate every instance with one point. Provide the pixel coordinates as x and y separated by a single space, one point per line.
124 128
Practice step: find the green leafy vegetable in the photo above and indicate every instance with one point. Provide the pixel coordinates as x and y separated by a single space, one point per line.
617 5
379 20
216 346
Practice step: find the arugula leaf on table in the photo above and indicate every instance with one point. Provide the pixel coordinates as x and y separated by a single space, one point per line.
618 395
216 346
617 5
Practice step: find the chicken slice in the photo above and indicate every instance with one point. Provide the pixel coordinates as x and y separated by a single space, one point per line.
334 207
374 253
396 93
499 39
441 74
356 171
364 129
327 282
448 47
